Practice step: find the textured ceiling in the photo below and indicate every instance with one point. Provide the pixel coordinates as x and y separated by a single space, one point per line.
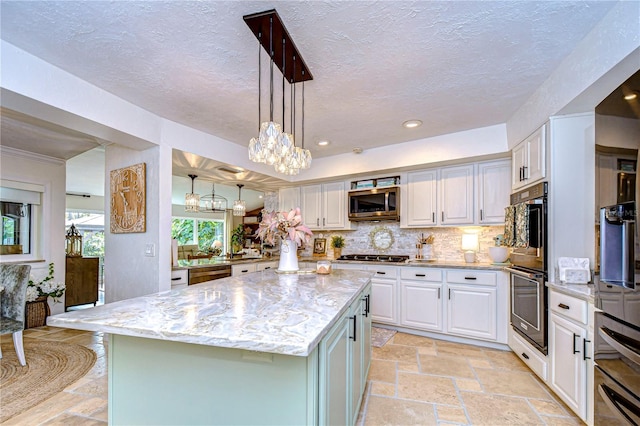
454 65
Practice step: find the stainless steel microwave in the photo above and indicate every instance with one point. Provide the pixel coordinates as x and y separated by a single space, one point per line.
375 204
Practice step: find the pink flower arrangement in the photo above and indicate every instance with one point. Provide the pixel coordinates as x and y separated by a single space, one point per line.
283 225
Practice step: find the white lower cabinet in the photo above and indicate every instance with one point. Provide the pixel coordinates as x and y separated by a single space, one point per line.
472 311
384 290
242 269
570 351
345 355
421 298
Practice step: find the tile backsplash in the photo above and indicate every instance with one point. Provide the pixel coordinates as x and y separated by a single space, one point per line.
446 245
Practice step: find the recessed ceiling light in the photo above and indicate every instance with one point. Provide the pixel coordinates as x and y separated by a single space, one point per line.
410 124
630 96
323 143
357 150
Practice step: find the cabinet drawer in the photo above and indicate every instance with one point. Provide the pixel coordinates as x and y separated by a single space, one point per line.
421 274
384 271
471 277
263 266
242 269
179 276
534 359
569 307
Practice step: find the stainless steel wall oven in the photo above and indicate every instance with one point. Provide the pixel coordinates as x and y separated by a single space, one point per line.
529 264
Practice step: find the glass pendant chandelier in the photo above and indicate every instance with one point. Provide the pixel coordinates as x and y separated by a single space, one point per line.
239 206
192 200
274 146
213 202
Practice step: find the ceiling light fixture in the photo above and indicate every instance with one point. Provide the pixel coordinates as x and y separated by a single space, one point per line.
323 143
631 96
274 146
213 202
192 200
239 206
410 124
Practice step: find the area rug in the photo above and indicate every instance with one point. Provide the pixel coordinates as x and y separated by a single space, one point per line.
380 336
51 367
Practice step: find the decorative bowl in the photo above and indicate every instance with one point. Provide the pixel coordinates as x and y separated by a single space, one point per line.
499 254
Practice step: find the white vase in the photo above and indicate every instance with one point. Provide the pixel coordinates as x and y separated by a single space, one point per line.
288 256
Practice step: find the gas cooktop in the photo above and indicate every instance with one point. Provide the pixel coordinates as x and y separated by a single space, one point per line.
375 258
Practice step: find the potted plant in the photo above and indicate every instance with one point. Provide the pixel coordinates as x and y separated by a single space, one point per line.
337 242
237 239
38 293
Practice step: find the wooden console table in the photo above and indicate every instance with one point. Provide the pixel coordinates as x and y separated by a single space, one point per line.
81 279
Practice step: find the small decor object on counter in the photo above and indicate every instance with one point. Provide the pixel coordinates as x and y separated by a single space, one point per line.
73 242
319 246
38 292
425 247
574 270
500 253
290 231
337 243
323 267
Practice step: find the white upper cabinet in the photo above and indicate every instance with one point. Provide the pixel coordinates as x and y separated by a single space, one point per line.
288 198
420 205
528 160
456 195
324 206
493 191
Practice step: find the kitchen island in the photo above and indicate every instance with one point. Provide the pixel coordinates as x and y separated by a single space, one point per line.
263 348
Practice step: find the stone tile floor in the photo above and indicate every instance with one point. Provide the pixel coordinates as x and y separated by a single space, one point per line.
413 381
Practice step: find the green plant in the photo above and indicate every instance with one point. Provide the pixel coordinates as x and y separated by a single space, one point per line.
45 287
237 236
337 241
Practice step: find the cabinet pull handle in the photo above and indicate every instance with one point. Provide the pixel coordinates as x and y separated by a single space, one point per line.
584 349
381 273
524 173
563 306
355 321
525 356
267 267
366 305
175 279
323 222
442 216
420 275
481 214
318 222
438 293
449 294
433 217
470 278
521 174
574 343
245 270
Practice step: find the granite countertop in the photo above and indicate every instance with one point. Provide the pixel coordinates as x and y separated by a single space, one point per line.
581 291
432 264
222 261
267 312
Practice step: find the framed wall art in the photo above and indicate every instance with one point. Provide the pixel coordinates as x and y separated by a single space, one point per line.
319 246
128 199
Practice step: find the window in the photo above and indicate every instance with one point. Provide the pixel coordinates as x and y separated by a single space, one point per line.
16 229
202 232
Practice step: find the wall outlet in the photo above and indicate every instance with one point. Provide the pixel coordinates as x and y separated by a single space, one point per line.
150 250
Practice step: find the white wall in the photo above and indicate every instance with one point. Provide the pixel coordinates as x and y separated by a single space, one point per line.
128 272
571 189
49 172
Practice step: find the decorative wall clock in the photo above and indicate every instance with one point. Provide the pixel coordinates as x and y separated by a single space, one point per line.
128 199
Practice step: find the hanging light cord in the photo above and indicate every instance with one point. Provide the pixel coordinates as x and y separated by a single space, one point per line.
271 54
284 62
292 91
259 78
303 111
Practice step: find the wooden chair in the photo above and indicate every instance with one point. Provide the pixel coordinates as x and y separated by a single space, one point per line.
13 300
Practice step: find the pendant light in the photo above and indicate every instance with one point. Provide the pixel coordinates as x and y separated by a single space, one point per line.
192 200
239 206
213 202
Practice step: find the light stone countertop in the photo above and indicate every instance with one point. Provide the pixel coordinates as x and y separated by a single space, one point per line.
264 311
580 291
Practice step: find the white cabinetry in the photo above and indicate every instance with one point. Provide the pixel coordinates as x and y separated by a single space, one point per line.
263 266
528 160
421 193
421 298
179 278
493 191
384 290
288 198
345 355
242 269
456 195
570 350
462 195
324 206
472 301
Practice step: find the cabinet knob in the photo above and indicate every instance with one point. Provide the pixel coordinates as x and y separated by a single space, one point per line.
563 306
525 356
